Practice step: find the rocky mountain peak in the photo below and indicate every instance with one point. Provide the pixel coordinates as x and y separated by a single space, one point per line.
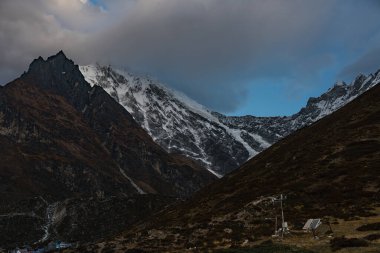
59 75
339 83
56 72
360 77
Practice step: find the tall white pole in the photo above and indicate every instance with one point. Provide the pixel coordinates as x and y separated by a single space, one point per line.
275 227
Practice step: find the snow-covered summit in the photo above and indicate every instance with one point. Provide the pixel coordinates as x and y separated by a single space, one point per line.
176 122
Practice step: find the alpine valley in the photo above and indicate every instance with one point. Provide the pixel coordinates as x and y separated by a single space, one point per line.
110 161
329 170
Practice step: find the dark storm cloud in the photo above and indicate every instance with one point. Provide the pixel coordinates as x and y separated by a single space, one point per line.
32 28
212 50
368 63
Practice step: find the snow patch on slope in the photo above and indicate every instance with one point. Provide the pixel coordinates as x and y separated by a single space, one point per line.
138 189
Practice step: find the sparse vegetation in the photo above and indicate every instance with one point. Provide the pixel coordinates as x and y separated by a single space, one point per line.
372 237
268 248
370 227
342 242
134 251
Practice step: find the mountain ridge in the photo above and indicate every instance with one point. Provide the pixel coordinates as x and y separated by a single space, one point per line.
62 140
220 143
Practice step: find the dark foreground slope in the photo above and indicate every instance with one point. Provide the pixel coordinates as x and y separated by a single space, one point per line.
329 170
62 141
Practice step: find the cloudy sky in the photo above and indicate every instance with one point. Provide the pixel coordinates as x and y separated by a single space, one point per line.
260 57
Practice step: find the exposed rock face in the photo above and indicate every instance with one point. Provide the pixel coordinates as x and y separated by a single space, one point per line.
61 138
126 142
219 142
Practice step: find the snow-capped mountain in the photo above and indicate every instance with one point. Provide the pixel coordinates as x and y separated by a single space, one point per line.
275 128
219 142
